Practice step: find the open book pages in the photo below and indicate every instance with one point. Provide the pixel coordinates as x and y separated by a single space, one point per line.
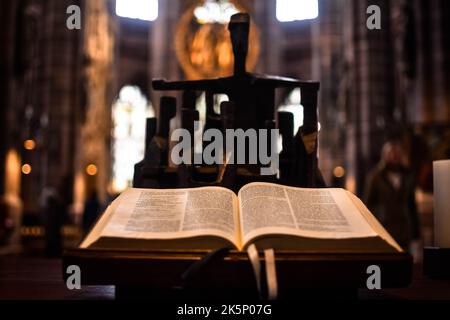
259 210
170 214
312 213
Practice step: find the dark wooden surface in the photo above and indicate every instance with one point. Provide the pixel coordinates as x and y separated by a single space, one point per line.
422 288
40 279
296 270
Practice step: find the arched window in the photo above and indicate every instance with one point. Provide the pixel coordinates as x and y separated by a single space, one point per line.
129 113
296 10
293 105
137 9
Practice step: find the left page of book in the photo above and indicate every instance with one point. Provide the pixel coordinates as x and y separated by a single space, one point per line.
170 214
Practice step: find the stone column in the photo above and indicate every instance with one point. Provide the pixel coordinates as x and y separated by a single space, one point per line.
372 90
10 175
8 10
94 144
163 59
330 67
271 37
431 91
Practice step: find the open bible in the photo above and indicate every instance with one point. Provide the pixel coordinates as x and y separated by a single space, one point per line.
269 215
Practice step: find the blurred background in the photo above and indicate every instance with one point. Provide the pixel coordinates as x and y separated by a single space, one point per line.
73 103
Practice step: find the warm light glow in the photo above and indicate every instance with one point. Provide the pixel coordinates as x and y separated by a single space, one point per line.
215 12
32 231
79 195
119 185
91 169
12 177
350 184
29 144
295 10
26 169
202 39
339 172
137 9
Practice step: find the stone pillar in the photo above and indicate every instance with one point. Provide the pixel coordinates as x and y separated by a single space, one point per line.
423 109
8 10
271 37
372 90
10 202
94 144
163 62
60 105
330 68
432 99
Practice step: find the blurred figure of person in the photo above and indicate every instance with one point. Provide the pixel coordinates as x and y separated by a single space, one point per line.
390 195
92 208
420 159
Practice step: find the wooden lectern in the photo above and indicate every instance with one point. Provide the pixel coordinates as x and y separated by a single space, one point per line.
156 274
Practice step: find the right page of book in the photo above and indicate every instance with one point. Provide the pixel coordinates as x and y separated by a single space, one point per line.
315 213
375 224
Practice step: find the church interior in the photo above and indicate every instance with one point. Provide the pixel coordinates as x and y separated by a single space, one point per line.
77 83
